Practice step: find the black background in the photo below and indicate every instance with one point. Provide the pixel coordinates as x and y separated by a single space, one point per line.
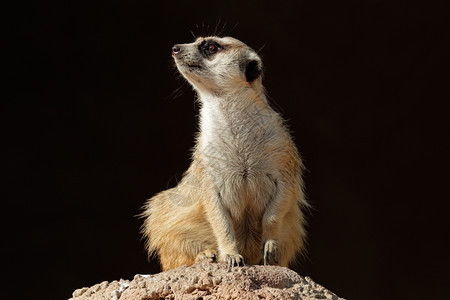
97 120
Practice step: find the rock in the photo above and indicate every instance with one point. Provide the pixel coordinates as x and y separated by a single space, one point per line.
210 281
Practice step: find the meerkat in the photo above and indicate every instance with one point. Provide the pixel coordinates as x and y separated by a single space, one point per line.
242 198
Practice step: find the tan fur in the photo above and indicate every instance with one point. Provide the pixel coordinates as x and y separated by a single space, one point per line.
242 197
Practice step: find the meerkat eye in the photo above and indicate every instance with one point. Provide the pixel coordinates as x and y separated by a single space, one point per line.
210 48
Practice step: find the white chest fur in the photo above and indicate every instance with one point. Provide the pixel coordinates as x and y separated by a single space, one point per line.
237 145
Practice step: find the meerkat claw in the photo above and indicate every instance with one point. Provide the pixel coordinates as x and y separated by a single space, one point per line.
234 261
269 255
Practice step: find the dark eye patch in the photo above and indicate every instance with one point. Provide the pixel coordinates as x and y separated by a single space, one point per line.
208 48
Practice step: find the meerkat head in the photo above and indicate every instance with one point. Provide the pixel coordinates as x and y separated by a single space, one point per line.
218 65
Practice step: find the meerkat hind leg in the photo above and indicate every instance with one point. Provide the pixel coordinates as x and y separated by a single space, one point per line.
209 255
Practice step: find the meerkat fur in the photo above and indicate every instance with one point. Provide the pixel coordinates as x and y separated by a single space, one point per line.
242 199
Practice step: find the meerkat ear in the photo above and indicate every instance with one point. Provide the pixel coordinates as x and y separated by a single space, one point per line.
250 64
252 70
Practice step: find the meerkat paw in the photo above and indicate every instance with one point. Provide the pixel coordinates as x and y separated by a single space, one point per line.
209 255
234 260
269 253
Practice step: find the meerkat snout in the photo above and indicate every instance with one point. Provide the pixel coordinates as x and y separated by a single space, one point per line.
176 49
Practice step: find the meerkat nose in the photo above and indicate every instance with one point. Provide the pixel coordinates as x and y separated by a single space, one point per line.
176 49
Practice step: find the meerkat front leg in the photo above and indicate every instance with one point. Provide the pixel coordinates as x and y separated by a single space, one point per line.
272 223
220 220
